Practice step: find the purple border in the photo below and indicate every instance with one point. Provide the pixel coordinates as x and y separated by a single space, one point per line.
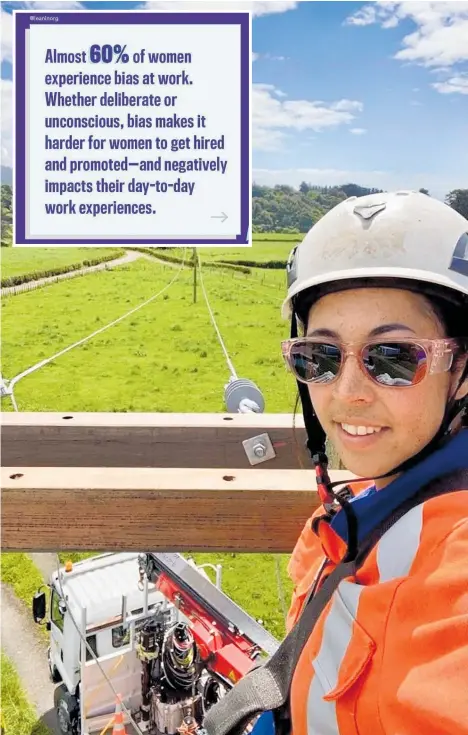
23 23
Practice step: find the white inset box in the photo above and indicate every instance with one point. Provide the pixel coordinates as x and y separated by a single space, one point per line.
132 128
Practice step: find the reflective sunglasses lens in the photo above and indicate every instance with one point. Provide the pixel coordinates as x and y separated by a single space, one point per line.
315 362
396 363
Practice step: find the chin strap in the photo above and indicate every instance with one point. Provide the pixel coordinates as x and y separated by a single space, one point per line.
316 445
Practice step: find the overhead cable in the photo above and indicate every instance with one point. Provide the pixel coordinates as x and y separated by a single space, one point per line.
218 333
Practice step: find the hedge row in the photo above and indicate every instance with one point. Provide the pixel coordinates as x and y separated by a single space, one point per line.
160 256
281 238
36 275
273 264
233 265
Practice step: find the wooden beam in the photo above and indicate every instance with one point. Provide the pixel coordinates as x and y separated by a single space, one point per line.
138 509
159 440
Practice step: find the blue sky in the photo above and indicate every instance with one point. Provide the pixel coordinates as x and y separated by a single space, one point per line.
370 92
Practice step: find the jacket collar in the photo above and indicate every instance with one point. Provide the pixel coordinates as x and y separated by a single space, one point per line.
372 507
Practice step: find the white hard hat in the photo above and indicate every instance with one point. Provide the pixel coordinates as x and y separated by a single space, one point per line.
400 235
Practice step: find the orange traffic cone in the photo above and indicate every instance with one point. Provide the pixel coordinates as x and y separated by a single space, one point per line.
119 727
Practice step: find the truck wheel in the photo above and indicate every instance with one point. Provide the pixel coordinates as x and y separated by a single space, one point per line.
66 708
53 671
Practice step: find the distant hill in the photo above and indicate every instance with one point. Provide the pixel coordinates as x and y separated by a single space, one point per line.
7 214
285 209
280 208
7 175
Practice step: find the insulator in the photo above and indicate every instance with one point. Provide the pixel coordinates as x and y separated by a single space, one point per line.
241 395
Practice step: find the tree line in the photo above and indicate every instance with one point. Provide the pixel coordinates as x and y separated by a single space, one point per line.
284 209
277 208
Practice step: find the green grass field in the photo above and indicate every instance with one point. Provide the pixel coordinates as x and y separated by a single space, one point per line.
166 357
18 716
19 571
260 252
277 236
16 261
276 247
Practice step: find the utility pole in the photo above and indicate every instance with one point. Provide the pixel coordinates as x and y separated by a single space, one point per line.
194 275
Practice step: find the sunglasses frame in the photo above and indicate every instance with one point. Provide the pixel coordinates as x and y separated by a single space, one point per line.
435 350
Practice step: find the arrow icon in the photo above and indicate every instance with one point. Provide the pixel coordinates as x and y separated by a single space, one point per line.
223 216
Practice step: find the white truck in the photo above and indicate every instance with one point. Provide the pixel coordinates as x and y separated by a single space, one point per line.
151 621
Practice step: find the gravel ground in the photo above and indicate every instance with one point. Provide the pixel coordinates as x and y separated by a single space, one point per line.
28 653
46 563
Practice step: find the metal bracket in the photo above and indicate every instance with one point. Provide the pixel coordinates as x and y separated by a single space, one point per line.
259 449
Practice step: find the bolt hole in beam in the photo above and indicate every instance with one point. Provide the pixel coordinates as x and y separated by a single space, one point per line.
262 511
66 417
227 418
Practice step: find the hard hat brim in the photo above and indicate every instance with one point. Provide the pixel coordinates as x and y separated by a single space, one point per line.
421 276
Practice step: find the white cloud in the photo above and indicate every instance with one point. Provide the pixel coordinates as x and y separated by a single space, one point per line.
49 5
268 139
255 56
256 8
347 105
387 180
272 117
441 35
272 57
7 122
366 16
269 57
358 131
39 5
457 84
7 36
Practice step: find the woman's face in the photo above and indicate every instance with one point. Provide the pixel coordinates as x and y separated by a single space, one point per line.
408 417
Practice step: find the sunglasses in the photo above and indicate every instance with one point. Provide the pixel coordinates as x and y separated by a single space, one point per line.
401 363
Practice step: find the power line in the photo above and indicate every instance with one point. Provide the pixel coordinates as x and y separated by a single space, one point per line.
218 333
257 290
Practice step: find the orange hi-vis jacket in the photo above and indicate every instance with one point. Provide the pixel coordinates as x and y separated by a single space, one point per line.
389 652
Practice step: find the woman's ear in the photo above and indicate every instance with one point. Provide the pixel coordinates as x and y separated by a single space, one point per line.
462 391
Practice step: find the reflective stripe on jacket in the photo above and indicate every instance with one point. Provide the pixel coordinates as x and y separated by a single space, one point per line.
389 653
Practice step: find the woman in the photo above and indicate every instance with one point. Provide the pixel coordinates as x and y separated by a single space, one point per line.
379 288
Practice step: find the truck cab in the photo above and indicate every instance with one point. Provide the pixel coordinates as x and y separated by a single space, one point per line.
94 589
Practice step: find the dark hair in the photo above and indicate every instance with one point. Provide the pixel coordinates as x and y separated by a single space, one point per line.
452 317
